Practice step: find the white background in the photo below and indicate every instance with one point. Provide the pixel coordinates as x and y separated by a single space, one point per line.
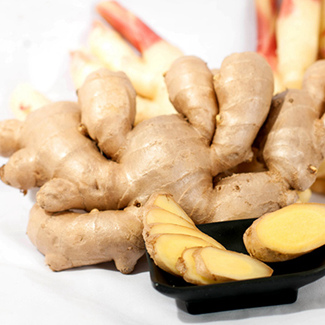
35 40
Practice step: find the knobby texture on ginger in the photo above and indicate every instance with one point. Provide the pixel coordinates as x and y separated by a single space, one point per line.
91 156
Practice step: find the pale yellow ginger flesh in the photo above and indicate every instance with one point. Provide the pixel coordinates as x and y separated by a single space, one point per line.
159 215
165 249
287 233
167 202
165 228
219 266
186 266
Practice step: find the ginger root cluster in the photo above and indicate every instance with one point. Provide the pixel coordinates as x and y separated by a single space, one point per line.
89 155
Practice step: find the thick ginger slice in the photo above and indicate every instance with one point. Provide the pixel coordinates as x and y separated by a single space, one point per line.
165 249
287 233
187 268
166 228
213 265
160 215
166 202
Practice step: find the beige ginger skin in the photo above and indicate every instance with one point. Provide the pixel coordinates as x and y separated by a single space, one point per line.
182 154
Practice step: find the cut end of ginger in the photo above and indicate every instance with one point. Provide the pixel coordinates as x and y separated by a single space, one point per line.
165 249
287 233
160 215
166 202
187 268
168 228
223 265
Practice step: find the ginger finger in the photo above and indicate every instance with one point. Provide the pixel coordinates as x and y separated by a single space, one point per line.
71 239
287 233
292 144
244 88
314 84
188 80
9 137
107 101
83 64
13 173
297 33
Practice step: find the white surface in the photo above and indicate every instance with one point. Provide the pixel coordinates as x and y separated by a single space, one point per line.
35 39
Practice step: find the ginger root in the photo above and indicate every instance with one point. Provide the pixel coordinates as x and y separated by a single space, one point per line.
92 156
287 233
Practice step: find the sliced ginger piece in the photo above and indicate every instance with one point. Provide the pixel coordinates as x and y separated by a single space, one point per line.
217 265
187 268
287 233
166 249
166 228
159 215
166 202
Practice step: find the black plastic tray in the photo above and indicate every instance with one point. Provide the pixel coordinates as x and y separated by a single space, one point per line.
281 288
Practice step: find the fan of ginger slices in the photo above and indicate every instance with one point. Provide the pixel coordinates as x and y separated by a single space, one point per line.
177 246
